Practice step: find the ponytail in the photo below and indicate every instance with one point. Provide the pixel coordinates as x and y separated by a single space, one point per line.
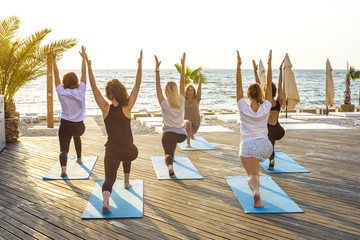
255 93
172 94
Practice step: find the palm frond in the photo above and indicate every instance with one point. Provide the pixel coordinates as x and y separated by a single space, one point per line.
9 27
195 73
24 60
60 46
178 67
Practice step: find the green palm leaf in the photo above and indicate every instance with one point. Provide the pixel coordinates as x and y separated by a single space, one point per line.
9 27
24 60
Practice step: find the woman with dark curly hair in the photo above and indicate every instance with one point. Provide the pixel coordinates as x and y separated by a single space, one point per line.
275 130
117 118
71 95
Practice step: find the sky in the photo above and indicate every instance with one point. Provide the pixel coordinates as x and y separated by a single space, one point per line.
210 32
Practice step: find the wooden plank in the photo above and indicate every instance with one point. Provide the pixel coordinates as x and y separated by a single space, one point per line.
201 209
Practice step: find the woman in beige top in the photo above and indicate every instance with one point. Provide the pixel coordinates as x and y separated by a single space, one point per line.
192 112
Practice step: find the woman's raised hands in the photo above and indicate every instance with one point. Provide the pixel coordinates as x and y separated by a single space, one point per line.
83 51
183 59
270 57
280 68
255 66
157 62
140 58
52 53
238 59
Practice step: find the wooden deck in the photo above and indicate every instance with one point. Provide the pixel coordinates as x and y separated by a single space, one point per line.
189 209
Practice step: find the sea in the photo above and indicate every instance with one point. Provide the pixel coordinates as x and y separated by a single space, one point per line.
218 93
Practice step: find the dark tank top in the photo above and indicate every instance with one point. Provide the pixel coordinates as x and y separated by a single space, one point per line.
276 107
118 127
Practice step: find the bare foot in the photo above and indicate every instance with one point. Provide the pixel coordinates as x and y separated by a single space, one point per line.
171 172
127 185
188 146
271 164
63 171
106 197
79 161
257 201
105 208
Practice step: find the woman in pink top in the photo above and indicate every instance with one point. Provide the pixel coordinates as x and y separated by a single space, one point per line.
255 144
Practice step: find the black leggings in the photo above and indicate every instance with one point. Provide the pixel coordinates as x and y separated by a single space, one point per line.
169 141
67 130
113 156
275 132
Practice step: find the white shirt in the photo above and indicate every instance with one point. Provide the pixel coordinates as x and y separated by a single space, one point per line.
173 117
72 102
253 124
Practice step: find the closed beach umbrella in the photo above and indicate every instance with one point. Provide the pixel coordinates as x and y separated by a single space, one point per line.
329 86
289 84
262 74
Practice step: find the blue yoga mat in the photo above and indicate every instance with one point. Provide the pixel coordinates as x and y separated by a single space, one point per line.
199 143
74 170
283 164
183 168
124 203
274 199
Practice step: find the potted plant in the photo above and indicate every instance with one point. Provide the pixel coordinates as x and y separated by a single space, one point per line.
21 61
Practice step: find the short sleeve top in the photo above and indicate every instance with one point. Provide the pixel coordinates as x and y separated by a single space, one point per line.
173 117
72 102
253 124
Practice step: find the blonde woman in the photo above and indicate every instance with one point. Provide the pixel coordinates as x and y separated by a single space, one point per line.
192 112
172 107
255 145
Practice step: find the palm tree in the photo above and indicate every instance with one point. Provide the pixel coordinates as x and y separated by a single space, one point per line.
24 60
354 75
191 75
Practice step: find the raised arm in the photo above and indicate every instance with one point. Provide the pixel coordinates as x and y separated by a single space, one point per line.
56 70
157 78
83 64
198 94
182 76
280 97
257 80
101 102
239 90
268 93
135 91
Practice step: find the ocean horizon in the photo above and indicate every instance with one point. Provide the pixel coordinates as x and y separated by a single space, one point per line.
218 93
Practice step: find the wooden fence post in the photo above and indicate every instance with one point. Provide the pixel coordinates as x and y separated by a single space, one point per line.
49 93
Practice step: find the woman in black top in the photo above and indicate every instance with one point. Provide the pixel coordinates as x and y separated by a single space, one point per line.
117 118
275 131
